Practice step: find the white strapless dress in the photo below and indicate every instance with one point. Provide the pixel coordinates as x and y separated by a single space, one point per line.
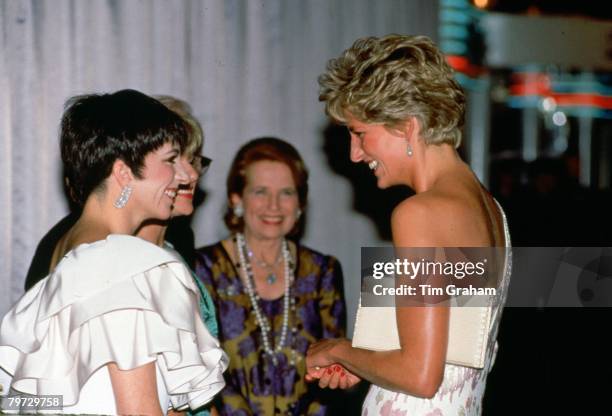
120 300
462 388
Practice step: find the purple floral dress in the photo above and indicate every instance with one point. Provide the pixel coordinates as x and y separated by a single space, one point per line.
255 385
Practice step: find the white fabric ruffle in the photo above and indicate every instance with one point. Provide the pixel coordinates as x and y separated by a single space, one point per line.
119 300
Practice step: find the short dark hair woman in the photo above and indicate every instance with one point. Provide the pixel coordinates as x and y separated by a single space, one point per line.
101 330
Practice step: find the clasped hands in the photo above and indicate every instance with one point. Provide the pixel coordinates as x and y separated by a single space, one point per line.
321 366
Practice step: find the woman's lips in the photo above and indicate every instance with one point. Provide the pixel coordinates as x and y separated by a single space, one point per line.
272 221
185 194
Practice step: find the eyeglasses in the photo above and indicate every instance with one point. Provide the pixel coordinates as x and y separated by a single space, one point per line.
200 163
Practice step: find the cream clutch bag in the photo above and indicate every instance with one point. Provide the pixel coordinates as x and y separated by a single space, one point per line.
376 329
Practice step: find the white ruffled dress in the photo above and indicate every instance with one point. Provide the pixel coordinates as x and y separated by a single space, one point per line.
120 300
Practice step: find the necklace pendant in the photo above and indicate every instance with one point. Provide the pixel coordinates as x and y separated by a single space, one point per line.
271 279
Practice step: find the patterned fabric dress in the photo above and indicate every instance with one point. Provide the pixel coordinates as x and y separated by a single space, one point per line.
255 385
462 388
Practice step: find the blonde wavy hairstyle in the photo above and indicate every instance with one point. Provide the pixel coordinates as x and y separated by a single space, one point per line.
387 80
195 134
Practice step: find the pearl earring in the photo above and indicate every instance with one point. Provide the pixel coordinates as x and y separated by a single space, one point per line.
409 150
238 210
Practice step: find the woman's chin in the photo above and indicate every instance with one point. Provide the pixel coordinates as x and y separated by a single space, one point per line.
164 214
271 234
182 209
384 182
381 183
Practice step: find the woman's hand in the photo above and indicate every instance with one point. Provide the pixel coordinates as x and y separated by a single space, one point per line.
321 365
334 376
320 354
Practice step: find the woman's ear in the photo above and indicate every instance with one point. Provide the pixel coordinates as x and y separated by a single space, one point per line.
235 199
122 173
411 128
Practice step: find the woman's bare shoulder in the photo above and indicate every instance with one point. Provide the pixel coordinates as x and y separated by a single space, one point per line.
411 220
428 207
431 219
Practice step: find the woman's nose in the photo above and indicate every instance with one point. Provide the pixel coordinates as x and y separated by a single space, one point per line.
182 171
273 202
356 149
192 173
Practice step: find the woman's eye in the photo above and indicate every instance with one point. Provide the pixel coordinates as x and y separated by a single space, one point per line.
358 134
289 192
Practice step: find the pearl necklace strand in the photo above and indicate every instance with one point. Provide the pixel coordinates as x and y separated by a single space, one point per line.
262 321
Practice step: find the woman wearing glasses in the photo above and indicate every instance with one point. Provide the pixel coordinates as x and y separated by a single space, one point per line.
195 166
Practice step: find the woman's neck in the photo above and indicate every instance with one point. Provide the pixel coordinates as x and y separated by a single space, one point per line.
100 218
153 232
90 227
435 162
264 249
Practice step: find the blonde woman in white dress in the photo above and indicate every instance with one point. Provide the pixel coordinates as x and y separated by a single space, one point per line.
115 327
404 112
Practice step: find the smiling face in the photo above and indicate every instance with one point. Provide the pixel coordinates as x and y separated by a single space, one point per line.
155 192
183 204
270 200
383 149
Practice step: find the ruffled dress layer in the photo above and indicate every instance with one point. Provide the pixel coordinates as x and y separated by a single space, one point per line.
119 300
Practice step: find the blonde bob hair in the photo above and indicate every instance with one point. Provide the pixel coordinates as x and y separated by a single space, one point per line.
390 79
195 134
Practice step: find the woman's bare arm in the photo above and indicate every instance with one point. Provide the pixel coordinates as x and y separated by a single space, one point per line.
135 390
418 367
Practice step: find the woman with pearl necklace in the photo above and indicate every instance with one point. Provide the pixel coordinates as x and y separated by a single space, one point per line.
273 296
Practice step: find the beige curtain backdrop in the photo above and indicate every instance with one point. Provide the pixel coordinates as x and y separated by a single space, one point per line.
248 68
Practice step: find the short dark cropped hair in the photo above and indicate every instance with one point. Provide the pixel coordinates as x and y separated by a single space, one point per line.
98 129
270 149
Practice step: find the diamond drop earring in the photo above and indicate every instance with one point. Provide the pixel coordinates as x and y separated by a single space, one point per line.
124 196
